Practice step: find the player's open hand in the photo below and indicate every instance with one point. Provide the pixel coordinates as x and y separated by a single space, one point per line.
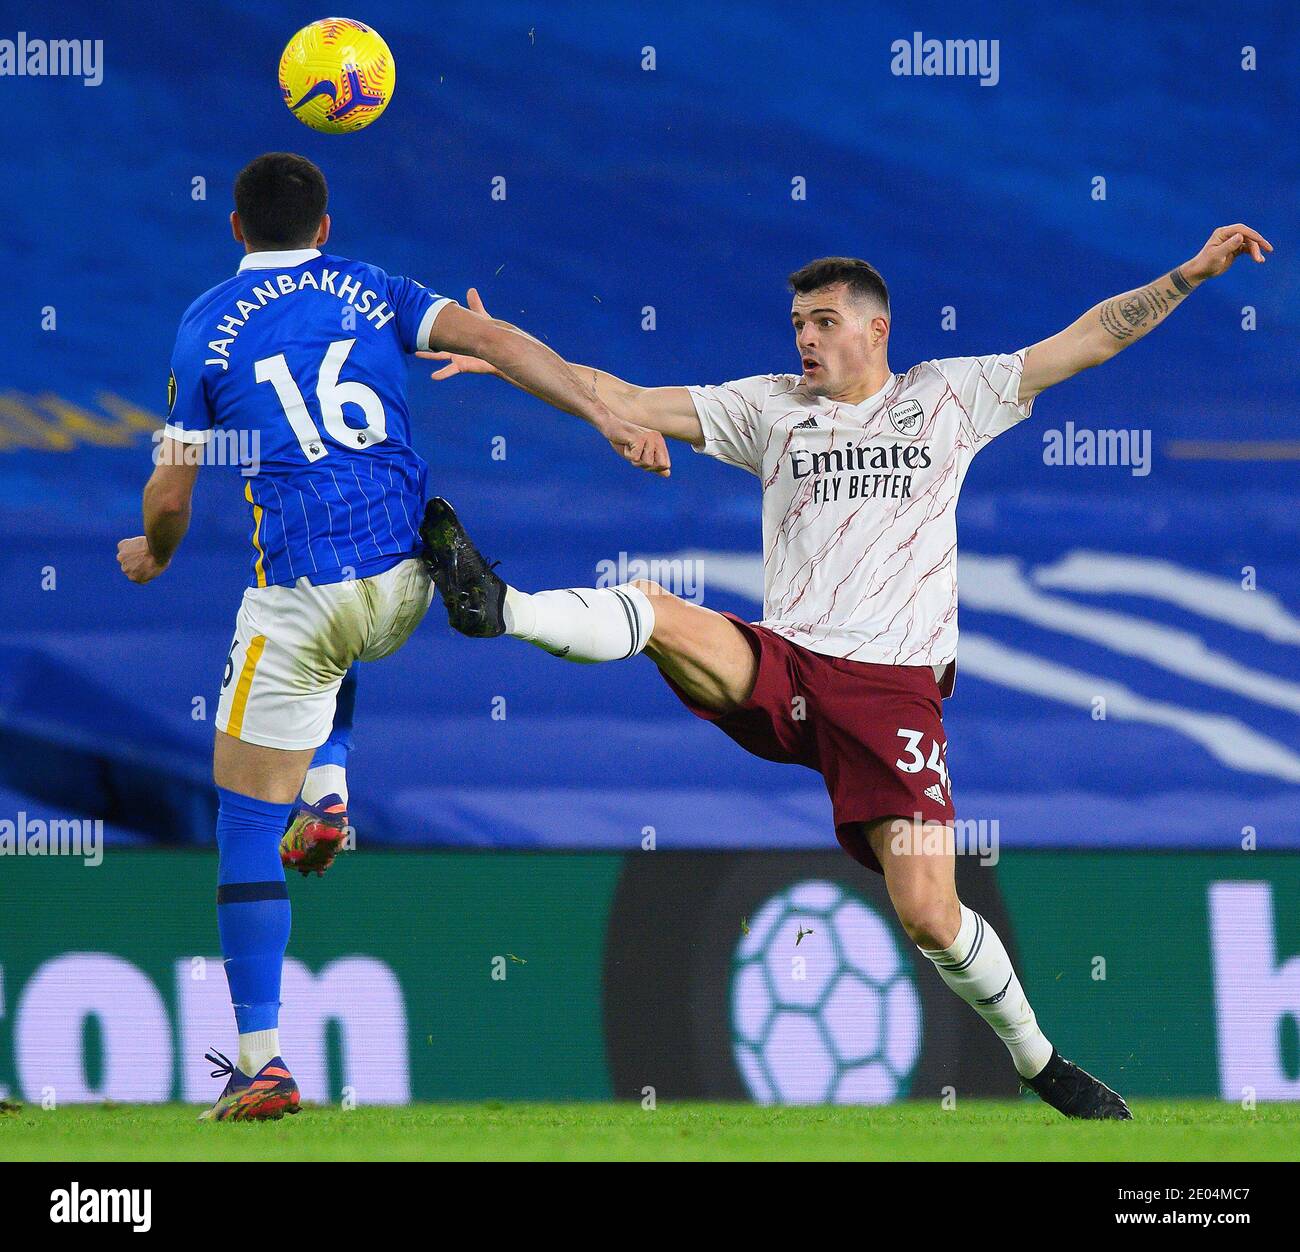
1222 248
644 448
456 362
137 562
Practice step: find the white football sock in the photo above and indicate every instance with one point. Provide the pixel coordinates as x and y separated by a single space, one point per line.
582 624
324 780
978 969
256 1048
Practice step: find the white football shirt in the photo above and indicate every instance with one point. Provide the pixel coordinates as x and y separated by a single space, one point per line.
860 500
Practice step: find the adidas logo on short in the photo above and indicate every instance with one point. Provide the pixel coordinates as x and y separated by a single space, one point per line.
808 423
935 792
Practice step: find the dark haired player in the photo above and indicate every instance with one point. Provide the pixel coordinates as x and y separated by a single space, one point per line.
306 354
861 468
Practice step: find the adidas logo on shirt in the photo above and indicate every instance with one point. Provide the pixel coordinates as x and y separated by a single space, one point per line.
935 792
808 423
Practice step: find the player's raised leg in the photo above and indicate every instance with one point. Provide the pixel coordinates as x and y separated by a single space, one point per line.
698 649
327 773
919 864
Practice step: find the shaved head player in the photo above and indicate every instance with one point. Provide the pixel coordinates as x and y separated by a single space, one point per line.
861 468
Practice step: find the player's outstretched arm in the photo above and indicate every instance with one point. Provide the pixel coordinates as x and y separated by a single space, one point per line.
167 497
667 410
1114 324
534 367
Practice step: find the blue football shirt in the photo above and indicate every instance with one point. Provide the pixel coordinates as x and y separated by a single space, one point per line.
298 361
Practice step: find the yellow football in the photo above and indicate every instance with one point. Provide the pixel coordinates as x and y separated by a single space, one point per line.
337 75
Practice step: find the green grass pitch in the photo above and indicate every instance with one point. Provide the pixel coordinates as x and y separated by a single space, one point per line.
975 1130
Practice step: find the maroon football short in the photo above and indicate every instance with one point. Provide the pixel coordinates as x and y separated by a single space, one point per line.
873 732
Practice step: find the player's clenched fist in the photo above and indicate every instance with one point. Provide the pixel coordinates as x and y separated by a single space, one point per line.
1222 248
644 448
137 562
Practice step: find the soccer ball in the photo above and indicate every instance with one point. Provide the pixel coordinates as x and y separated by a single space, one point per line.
832 1018
337 75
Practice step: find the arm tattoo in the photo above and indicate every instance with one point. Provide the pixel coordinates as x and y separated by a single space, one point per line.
1136 312
1183 286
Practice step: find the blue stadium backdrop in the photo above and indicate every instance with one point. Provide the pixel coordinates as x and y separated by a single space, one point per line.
633 183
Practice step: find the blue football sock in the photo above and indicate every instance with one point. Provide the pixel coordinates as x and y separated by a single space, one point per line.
252 905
